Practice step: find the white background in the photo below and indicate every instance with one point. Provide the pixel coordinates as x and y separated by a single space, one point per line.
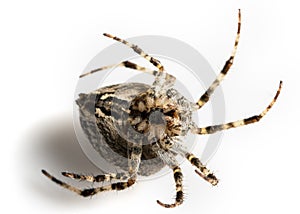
45 46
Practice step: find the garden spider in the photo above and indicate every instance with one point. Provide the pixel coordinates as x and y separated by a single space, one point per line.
144 122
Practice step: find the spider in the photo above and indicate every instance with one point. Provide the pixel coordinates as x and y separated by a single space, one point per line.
145 122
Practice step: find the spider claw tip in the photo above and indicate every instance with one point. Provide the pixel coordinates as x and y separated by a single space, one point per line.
45 173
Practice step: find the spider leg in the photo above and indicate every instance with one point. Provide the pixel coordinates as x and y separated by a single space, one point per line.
204 173
91 191
134 162
179 193
205 97
169 159
97 178
139 51
238 123
163 79
126 64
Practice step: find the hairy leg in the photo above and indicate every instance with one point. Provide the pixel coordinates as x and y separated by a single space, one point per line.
170 160
97 178
205 97
238 123
139 51
91 191
126 64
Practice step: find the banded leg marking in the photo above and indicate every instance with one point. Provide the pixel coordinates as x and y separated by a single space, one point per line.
204 172
126 64
91 191
179 193
133 163
139 51
238 123
205 97
97 178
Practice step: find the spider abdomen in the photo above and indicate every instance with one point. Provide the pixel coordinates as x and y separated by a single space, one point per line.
104 120
116 117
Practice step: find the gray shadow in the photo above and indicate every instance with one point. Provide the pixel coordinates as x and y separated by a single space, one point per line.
52 145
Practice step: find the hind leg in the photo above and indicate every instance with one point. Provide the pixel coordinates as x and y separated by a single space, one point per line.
97 178
91 191
133 164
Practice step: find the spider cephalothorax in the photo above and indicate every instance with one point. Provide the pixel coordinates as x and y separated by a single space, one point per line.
137 127
168 113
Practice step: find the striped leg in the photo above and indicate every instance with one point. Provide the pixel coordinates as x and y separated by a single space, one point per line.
205 97
170 160
91 191
204 172
126 64
179 193
238 123
133 163
97 178
139 51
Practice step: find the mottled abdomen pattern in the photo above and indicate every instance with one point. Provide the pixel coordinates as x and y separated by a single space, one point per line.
102 115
